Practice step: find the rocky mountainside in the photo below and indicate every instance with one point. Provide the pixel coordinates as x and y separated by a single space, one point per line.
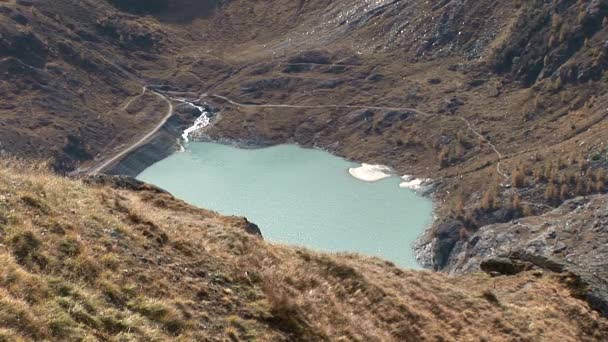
502 103
574 232
113 259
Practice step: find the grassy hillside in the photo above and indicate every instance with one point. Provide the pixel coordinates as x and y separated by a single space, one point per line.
510 120
99 262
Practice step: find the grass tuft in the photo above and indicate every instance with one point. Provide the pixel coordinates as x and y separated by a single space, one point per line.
159 312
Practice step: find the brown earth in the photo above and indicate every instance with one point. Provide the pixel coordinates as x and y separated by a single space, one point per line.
119 260
520 82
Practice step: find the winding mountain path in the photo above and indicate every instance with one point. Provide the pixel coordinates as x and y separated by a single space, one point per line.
99 168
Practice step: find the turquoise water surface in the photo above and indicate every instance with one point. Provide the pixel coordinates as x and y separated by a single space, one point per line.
298 196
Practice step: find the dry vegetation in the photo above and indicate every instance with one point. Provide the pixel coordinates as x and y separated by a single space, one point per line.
535 184
528 77
98 263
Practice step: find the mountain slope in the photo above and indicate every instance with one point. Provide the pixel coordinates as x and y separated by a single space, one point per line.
122 260
502 103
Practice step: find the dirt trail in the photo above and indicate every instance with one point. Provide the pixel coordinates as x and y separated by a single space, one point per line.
413 110
99 168
167 99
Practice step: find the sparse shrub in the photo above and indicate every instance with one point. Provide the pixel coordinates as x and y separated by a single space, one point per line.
111 261
582 164
458 206
35 203
444 157
564 192
515 203
83 267
490 297
539 174
600 186
551 193
113 324
70 246
286 314
113 293
488 201
159 312
16 315
26 249
518 179
581 187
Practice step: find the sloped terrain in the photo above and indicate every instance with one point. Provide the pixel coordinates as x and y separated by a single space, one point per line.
119 260
574 232
502 103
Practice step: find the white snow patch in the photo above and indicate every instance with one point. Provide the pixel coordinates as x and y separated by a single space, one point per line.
371 173
415 184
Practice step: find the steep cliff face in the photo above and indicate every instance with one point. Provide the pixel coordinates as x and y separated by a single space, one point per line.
115 259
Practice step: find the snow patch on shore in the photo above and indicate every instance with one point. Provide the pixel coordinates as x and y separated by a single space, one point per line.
371 173
416 184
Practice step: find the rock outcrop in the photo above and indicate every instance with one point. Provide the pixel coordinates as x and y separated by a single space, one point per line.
581 282
576 232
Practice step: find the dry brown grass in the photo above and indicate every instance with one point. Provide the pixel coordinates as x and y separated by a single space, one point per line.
87 263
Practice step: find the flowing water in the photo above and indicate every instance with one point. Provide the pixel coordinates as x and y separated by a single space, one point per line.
298 196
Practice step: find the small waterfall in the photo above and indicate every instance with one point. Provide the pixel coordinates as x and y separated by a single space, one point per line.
201 122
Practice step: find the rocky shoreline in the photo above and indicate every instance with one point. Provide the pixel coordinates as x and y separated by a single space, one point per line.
160 146
167 142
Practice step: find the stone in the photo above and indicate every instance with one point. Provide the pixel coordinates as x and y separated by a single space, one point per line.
312 56
446 235
501 265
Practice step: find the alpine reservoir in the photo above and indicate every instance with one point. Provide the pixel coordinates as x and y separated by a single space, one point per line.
299 196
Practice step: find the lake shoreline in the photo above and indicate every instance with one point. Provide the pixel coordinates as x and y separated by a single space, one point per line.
375 219
167 142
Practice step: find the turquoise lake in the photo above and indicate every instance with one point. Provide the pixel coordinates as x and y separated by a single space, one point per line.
298 196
